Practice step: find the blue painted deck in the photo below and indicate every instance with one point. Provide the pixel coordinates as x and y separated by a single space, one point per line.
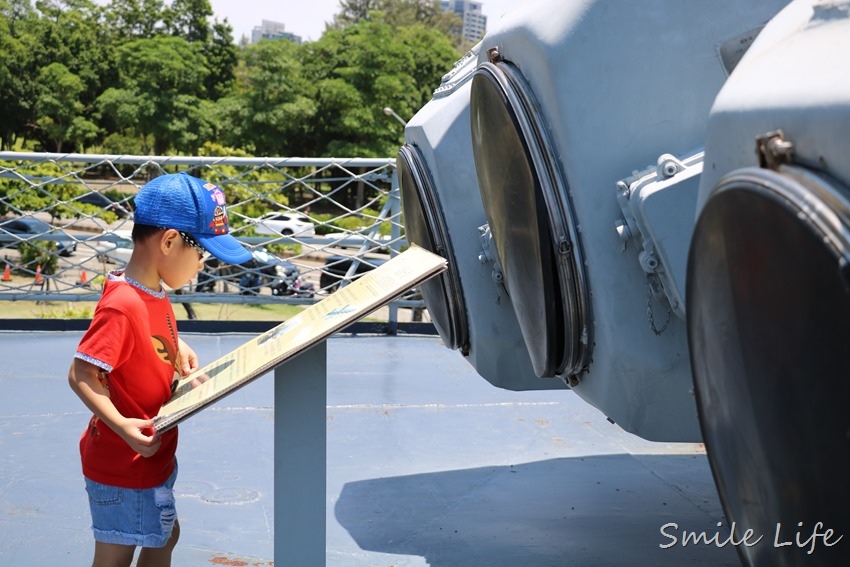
427 465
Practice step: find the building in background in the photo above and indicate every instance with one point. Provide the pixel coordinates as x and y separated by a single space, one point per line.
474 22
272 30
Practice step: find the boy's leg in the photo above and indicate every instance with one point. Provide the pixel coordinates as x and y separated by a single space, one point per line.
160 556
112 554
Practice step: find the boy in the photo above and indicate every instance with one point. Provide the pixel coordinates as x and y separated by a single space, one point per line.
127 360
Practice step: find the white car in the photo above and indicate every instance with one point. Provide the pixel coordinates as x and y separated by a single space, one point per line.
117 249
286 224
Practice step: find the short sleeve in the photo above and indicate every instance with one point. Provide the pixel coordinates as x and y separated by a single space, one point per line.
108 341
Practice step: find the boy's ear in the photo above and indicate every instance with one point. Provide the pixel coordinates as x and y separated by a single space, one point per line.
168 241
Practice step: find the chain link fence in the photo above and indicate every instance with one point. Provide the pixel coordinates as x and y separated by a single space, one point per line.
312 225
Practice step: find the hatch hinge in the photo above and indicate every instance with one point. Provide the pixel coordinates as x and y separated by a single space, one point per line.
774 150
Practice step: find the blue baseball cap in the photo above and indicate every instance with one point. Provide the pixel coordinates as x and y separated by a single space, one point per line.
195 206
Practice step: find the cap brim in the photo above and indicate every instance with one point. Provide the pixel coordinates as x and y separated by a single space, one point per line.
224 247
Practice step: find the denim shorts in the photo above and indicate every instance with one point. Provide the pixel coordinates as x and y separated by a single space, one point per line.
129 516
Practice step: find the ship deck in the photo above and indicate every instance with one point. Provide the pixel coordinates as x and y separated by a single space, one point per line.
427 464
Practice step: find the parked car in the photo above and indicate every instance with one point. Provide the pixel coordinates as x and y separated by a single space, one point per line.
26 228
116 250
335 270
263 269
285 223
105 202
336 267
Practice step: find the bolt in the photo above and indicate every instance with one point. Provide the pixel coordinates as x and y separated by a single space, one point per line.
623 230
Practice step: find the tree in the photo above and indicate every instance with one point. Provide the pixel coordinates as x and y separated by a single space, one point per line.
189 19
398 13
353 11
60 113
363 68
70 33
433 54
273 104
163 78
222 59
119 112
134 19
428 13
157 78
17 69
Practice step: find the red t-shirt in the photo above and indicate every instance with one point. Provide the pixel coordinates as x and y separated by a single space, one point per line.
133 338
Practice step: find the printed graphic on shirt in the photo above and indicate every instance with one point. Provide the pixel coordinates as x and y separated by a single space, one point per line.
165 350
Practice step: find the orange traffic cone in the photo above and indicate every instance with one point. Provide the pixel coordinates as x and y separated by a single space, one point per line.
38 277
7 273
82 280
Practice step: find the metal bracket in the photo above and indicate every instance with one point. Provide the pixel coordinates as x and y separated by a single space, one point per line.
493 55
488 256
774 150
657 206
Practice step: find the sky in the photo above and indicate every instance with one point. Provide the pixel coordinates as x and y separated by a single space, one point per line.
306 17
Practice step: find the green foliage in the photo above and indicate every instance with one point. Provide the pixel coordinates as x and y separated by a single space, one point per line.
283 250
38 187
51 311
127 143
433 55
60 112
77 209
41 253
189 19
133 19
248 186
27 191
363 68
160 77
222 59
398 13
273 104
17 85
366 219
69 34
120 110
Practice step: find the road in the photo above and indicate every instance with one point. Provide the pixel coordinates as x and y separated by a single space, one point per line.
75 273
86 264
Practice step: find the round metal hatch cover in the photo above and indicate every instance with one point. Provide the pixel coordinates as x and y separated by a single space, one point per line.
425 226
518 220
768 304
528 207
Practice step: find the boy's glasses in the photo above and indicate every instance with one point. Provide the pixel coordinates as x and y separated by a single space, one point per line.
188 239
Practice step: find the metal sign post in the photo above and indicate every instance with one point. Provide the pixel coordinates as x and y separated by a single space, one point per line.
300 459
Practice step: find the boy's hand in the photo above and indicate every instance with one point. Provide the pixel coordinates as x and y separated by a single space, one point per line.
188 358
140 436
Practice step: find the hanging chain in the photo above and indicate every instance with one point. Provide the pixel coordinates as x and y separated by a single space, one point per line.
649 313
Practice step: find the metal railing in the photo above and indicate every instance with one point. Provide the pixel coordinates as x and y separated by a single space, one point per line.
65 221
